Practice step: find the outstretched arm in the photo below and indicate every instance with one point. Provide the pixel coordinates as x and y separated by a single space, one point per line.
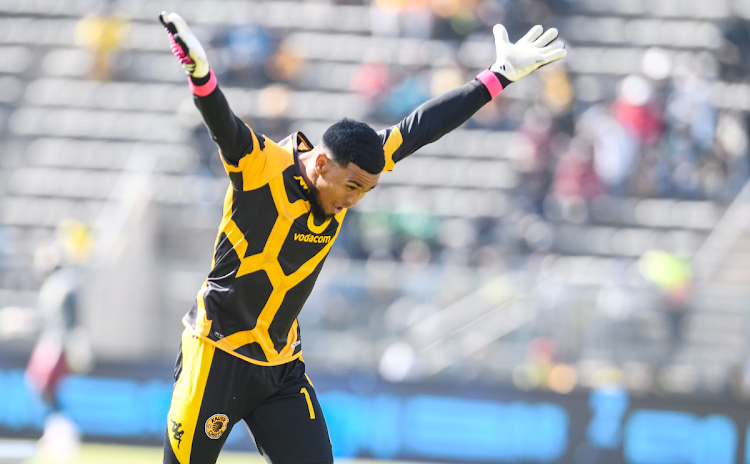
435 118
446 112
232 136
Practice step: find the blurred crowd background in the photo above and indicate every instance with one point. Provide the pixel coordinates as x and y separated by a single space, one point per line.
587 227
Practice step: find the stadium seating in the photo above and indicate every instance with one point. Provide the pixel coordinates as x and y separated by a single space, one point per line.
69 140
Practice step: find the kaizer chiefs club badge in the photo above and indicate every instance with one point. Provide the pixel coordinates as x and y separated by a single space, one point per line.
216 425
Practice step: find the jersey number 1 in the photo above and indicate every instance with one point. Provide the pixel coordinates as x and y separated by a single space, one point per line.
309 403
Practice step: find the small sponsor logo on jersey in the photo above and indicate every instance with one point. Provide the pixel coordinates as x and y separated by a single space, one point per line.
218 335
296 344
302 182
216 425
177 433
312 238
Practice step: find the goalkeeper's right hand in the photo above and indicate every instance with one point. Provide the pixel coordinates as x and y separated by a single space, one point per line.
185 45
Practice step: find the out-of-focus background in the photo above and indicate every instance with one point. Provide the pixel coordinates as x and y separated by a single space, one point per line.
565 278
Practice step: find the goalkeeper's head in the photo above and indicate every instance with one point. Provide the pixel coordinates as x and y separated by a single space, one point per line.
347 164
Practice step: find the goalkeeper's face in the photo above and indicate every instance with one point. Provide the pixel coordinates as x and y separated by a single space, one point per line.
337 187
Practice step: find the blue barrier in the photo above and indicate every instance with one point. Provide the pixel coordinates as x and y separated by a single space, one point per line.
455 428
363 423
19 407
427 426
669 437
444 427
608 407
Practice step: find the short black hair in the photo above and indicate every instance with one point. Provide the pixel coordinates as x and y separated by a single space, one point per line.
353 141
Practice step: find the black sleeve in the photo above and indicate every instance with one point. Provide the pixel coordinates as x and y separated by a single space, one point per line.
232 136
442 114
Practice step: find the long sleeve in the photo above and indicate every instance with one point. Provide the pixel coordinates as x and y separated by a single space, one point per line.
250 159
435 118
234 137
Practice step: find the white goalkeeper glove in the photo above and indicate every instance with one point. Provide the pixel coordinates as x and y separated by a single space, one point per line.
185 45
532 51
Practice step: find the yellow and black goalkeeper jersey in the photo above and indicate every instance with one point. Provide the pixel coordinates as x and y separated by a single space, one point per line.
269 250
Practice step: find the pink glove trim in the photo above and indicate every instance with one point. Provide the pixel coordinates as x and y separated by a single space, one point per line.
490 80
177 50
205 89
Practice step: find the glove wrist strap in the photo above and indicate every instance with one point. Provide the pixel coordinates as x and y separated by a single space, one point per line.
203 86
492 82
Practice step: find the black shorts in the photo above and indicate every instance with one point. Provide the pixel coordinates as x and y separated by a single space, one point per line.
214 390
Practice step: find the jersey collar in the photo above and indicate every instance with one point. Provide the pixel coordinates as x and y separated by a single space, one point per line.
300 144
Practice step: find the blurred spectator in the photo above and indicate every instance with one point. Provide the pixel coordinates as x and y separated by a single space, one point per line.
532 154
557 92
575 176
615 152
635 110
63 346
691 122
672 277
103 35
689 107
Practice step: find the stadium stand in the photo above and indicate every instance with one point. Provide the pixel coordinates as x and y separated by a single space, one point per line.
504 233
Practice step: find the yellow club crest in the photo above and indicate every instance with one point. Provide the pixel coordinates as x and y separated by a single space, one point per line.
216 425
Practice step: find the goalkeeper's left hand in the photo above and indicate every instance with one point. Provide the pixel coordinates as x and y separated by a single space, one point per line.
185 45
532 51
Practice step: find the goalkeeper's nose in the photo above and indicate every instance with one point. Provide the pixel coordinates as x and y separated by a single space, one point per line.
352 199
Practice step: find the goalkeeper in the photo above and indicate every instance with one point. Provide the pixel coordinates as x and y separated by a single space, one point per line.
241 356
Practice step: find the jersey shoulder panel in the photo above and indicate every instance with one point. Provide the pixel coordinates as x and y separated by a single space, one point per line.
392 141
266 161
